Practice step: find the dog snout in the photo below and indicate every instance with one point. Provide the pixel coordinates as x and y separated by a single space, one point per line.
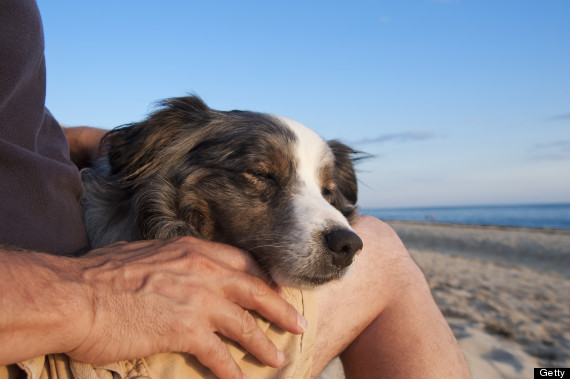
342 244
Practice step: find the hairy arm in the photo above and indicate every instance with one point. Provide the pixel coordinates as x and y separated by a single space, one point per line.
42 301
129 300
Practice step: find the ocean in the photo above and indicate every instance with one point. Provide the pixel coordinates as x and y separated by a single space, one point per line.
545 216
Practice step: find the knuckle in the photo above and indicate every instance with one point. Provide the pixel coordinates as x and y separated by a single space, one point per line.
196 259
215 350
200 262
248 328
258 288
185 240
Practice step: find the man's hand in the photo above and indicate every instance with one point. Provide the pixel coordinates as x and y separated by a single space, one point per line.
175 295
135 299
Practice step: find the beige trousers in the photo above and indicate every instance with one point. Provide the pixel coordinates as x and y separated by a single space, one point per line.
297 349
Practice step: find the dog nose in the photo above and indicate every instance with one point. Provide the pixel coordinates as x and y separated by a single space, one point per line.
343 244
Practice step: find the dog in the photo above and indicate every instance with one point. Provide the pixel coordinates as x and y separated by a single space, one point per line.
260 182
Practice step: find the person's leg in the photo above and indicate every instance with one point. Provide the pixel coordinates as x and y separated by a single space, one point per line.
381 319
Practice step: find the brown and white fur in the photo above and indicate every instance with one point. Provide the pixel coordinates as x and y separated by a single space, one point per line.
260 182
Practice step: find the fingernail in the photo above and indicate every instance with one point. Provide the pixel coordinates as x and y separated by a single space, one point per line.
280 357
302 322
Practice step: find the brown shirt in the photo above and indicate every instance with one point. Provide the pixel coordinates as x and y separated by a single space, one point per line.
39 185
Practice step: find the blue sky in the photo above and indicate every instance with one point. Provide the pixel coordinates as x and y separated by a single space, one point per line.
461 102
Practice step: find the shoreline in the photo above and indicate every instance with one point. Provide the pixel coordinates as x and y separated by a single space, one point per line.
534 216
481 226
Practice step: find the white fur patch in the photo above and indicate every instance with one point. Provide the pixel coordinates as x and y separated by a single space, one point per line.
312 154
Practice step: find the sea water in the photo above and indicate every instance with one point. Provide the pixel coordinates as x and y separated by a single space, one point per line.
548 216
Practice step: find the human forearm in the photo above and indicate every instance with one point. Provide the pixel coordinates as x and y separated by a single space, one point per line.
41 302
130 300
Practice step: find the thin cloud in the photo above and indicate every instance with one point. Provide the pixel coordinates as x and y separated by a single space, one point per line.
561 117
415 135
557 150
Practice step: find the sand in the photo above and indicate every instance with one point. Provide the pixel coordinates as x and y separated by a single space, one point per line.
504 291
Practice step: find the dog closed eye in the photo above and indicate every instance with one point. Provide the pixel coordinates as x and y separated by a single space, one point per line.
328 192
262 176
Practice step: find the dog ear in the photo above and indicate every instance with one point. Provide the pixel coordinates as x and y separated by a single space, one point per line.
163 212
346 193
135 148
136 154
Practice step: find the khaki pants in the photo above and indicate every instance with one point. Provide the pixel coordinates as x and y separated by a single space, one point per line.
297 349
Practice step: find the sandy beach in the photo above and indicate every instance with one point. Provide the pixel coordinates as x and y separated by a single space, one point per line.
504 291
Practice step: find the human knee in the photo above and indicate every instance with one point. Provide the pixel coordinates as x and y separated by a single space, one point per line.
379 238
387 257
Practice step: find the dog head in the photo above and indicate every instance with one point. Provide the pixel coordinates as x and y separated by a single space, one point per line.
260 182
